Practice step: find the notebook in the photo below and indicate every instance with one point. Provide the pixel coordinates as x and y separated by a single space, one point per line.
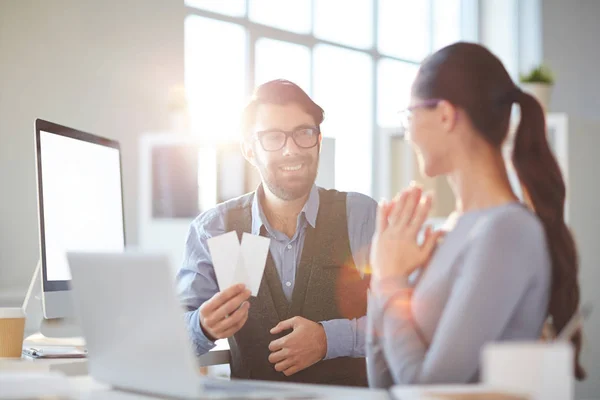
37 352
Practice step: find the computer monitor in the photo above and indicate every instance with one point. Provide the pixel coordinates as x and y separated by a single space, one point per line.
80 203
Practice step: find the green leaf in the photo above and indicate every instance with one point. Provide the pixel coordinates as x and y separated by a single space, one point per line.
540 74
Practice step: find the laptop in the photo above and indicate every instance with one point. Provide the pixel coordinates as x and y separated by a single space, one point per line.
135 333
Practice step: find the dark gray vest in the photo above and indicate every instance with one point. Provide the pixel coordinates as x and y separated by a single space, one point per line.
328 286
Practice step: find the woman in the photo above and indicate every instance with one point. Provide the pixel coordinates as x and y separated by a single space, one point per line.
502 270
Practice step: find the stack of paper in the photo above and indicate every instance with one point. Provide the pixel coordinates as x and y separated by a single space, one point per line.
239 263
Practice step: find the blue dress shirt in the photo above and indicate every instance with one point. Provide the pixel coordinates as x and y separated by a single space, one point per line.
196 281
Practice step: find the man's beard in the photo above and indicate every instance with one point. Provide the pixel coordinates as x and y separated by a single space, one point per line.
287 188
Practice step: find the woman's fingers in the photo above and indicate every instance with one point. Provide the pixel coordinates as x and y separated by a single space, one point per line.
420 215
404 213
383 212
429 245
397 207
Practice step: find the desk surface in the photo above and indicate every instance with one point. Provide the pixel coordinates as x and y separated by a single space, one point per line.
86 388
78 366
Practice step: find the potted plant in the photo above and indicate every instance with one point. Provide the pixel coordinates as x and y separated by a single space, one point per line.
539 82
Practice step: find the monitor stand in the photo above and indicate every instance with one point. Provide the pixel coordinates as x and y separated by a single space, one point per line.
57 331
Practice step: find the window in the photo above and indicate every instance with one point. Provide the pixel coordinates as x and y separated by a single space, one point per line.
446 23
236 8
215 98
277 59
354 29
289 15
404 29
357 59
393 89
346 96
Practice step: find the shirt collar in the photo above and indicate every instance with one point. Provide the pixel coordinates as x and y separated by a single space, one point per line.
310 210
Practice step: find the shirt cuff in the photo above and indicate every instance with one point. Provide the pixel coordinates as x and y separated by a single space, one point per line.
202 344
396 290
340 338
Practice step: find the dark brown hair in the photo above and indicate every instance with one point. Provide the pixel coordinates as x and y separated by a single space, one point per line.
472 78
282 92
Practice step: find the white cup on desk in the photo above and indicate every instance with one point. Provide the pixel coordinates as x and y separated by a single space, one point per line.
540 370
12 329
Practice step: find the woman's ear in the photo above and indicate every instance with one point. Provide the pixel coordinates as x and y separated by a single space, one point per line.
448 114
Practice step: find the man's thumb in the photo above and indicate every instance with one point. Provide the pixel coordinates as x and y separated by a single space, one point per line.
282 326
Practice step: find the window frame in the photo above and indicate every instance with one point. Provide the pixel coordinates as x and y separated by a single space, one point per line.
256 31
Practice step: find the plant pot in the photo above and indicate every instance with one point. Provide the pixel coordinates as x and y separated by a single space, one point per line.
541 91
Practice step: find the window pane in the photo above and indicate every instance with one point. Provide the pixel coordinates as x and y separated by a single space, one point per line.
289 15
343 87
404 28
276 59
353 28
394 82
446 23
216 99
236 8
500 32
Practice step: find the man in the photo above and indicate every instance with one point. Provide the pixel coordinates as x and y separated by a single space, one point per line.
307 322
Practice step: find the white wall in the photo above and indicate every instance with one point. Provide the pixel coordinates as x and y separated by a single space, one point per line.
101 66
570 47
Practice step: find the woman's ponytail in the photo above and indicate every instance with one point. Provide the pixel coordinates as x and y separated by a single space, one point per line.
541 177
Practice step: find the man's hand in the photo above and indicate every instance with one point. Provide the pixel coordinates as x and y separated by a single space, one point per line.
225 313
303 347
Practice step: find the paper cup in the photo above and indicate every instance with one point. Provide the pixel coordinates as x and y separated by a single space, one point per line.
540 370
12 330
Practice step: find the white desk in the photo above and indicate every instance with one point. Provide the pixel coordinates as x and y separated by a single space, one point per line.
218 355
86 388
78 366
69 367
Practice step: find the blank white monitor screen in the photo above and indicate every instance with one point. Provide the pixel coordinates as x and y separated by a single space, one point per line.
81 206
